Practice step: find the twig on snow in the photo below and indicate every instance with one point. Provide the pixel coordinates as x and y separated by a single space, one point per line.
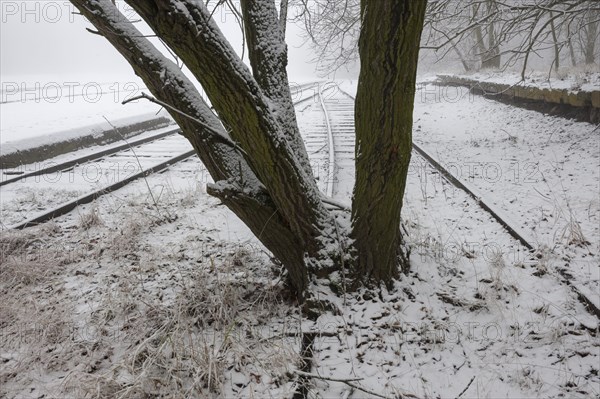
350 383
320 377
466 388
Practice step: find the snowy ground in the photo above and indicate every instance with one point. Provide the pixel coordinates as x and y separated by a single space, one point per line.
541 173
44 110
126 297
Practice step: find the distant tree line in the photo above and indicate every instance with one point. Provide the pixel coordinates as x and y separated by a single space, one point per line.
479 33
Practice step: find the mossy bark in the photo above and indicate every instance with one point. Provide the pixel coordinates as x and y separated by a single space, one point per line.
389 49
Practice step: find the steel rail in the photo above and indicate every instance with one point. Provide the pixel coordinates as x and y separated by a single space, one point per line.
91 157
331 159
446 174
89 197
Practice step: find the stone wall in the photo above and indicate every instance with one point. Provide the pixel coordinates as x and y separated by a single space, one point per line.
582 105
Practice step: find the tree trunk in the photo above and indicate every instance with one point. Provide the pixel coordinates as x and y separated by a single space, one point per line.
591 37
479 42
247 108
389 49
556 46
253 148
491 56
461 57
572 52
238 186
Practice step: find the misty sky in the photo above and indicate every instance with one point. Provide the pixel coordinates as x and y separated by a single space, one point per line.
44 38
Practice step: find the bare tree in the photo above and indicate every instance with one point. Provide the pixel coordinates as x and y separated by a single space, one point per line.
333 27
511 30
589 34
252 146
480 33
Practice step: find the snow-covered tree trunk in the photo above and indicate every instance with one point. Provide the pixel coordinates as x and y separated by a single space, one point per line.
237 184
252 146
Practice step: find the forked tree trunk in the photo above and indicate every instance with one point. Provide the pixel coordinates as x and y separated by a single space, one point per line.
253 149
244 194
388 47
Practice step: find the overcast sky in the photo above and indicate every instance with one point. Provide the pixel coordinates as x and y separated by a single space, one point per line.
44 38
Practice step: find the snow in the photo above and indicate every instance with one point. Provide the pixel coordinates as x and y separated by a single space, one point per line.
50 110
575 82
127 272
179 299
540 171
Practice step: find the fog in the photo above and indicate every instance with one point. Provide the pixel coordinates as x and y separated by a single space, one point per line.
47 38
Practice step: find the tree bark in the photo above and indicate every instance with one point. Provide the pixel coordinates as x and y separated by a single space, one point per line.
389 47
267 52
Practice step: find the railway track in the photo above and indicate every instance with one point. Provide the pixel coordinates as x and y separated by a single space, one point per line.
44 194
329 138
13 175
328 132
34 196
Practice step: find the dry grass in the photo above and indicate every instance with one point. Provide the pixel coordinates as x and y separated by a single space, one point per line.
184 345
24 260
183 338
573 234
33 316
125 238
130 319
90 219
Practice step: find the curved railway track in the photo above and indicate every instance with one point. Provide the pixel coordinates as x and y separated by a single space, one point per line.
329 138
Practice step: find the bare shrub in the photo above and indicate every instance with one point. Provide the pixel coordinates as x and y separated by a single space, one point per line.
126 238
573 234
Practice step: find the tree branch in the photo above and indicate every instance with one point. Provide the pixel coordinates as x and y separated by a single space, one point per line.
283 13
267 52
208 128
